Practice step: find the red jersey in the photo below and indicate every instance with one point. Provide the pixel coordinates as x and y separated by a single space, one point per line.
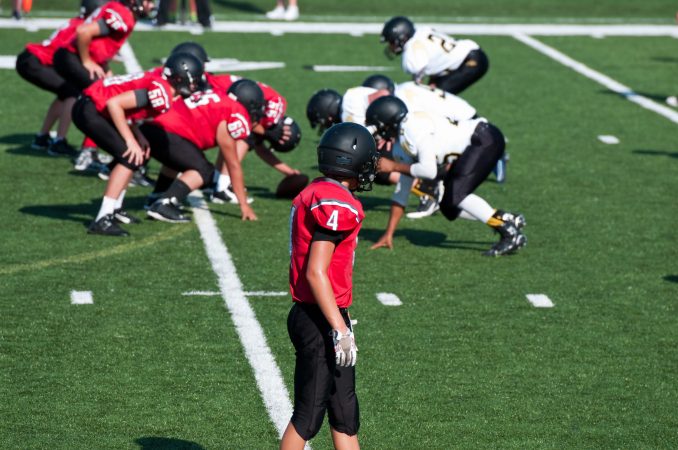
197 118
61 37
275 103
120 22
158 93
327 204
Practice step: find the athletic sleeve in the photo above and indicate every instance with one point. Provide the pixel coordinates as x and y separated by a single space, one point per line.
238 126
141 96
323 234
103 27
335 214
158 97
115 21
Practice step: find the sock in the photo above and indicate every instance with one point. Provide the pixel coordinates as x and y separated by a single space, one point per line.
223 182
477 207
464 215
162 183
119 200
107 207
178 190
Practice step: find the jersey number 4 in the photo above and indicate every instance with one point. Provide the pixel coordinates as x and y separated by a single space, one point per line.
333 221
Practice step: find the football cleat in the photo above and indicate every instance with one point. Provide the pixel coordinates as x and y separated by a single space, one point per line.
277 13
672 101
518 220
106 226
139 178
167 210
60 147
292 13
227 196
41 142
428 205
510 241
500 168
85 159
122 216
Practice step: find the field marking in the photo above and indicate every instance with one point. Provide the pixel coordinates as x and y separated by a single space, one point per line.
81 298
247 293
266 372
330 68
598 77
388 299
129 59
353 28
540 300
608 139
7 62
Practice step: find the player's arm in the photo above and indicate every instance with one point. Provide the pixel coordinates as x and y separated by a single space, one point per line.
320 257
229 152
398 203
116 107
269 158
85 33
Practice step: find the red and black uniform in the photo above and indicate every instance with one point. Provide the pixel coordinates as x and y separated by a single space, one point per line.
116 22
179 137
153 97
35 63
327 211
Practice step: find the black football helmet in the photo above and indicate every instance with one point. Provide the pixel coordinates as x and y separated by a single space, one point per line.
324 109
275 133
184 72
379 82
348 150
250 95
192 48
138 8
396 32
87 7
386 113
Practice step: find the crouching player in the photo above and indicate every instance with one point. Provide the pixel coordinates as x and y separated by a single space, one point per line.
325 221
103 111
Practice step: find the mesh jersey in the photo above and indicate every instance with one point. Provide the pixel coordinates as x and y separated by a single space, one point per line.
431 53
197 118
276 105
354 104
327 204
419 97
120 22
61 37
158 91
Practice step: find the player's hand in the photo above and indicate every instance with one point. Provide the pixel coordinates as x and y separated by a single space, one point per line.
385 165
385 241
384 145
345 350
94 69
134 153
145 145
247 213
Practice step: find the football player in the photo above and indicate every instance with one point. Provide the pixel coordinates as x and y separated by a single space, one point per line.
429 141
103 111
177 139
97 40
36 65
450 64
325 221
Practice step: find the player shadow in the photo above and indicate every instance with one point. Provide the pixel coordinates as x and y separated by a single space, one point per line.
423 238
375 202
671 278
660 98
656 153
82 212
247 7
21 145
163 443
666 59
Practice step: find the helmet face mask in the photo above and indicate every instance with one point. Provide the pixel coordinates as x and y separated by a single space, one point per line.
324 109
347 151
275 133
142 8
249 94
386 114
397 31
184 72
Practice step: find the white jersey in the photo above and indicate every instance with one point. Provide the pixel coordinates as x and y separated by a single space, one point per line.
429 52
419 97
354 104
426 141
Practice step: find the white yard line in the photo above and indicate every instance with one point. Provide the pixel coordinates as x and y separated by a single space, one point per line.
608 139
598 77
81 298
247 293
266 372
330 68
129 59
388 299
540 301
7 62
355 29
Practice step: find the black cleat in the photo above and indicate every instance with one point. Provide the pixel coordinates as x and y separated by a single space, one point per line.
60 147
518 220
41 142
511 240
140 178
106 226
122 216
167 210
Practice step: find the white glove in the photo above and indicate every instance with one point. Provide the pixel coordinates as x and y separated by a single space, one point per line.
345 350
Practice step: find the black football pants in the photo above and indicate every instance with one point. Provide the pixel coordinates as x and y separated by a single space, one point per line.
472 69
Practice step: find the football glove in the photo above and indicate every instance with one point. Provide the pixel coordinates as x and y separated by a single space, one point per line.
345 350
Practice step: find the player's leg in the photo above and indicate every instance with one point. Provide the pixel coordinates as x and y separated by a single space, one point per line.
473 68
221 190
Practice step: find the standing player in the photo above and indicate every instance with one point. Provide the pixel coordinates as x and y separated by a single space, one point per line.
428 141
325 221
36 65
97 40
177 139
103 112
452 65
